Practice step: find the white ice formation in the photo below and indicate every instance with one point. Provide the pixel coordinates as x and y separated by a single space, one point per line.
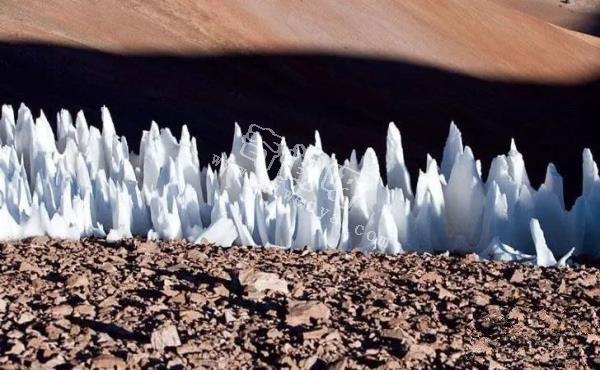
85 182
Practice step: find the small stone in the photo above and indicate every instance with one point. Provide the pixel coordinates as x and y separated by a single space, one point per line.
28 267
517 277
274 334
334 335
481 299
472 257
420 352
221 290
190 315
229 316
166 336
314 334
17 348
39 240
445 295
593 339
107 361
188 348
197 298
481 346
592 293
108 267
395 334
37 284
589 280
77 281
516 314
255 281
54 362
61 310
85 310
25 318
341 364
309 362
108 302
15 334
196 255
431 277
298 290
301 312
147 247
355 344
562 288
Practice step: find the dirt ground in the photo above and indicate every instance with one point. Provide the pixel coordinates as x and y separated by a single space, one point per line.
492 39
176 305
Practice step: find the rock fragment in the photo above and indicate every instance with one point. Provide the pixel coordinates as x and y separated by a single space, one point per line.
107 361
61 310
517 276
301 312
346 310
77 281
147 247
165 336
256 282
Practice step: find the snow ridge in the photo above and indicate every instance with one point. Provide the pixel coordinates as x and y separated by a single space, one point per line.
85 182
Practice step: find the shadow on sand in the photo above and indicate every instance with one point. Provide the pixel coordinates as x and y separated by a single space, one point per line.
350 100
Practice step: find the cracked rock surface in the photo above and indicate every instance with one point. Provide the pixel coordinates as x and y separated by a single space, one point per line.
173 304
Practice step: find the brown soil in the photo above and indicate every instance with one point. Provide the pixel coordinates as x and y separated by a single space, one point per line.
482 38
576 15
142 304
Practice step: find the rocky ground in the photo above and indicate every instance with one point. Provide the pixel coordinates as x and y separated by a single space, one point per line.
142 304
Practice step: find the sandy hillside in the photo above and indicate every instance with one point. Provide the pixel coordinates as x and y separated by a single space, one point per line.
484 37
295 66
576 15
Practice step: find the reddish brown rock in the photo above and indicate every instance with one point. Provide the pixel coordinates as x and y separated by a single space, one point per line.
77 281
255 282
61 310
343 310
165 336
301 312
107 361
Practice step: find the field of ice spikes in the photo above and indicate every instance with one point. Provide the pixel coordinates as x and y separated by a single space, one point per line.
85 182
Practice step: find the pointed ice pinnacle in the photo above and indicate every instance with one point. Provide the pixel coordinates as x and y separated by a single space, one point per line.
495 218
318 144
464 198
452 149
7 126
259 164
516 165
544 256
590 172
84 182
397 173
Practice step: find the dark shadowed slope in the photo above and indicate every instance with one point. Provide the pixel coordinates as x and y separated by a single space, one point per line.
349 99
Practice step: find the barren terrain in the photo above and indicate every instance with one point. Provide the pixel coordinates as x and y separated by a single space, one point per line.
576 15
486 38
500 68
90 303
